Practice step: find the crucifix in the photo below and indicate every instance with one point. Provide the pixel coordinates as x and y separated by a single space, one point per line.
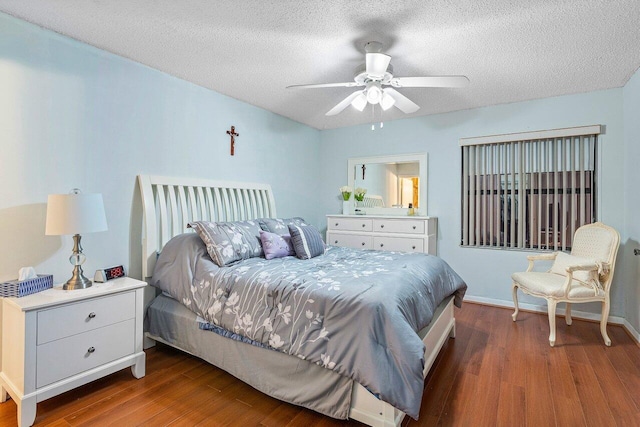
232 133
364 168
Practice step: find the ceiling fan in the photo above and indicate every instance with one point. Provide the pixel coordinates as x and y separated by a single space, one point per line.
376 76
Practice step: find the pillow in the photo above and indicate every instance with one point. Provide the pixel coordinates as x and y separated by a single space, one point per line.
306 240
228 242
564 260
275 245
279 225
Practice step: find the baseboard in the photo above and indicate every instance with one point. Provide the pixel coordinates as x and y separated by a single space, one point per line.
583 315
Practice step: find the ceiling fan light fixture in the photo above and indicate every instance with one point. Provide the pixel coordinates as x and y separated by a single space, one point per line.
359 102
374 93
386 101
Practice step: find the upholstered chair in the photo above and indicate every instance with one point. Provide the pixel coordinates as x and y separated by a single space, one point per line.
583 276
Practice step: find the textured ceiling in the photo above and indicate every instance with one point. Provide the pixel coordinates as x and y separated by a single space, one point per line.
511 50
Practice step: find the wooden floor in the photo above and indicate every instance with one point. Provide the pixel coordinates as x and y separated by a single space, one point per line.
495 373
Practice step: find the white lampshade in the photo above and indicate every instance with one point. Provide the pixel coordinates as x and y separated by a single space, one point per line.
75 214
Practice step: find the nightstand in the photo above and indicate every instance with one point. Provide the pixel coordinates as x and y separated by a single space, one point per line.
56 340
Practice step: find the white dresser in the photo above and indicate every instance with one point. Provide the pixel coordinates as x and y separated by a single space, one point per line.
388 233
56 340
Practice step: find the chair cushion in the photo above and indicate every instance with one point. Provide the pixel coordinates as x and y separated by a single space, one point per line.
564 260
550 284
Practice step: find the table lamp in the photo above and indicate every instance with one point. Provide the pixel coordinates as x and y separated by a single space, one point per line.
72 214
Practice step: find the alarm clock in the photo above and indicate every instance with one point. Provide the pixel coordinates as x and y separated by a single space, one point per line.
104 274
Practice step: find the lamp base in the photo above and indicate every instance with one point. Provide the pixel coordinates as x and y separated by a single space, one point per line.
77 281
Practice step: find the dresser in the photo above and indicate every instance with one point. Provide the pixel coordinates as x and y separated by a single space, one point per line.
56 340
388 233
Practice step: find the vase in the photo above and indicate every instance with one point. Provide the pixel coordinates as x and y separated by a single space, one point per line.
346 207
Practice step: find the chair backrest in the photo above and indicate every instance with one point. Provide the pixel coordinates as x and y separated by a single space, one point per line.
598 242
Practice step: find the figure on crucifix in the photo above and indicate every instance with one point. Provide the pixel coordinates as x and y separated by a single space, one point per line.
232 133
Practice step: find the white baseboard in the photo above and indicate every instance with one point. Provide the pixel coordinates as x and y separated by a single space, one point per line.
585 315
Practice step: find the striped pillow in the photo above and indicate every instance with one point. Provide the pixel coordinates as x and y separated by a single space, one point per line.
306 240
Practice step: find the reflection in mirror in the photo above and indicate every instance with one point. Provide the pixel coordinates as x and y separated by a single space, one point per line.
392 185
392 182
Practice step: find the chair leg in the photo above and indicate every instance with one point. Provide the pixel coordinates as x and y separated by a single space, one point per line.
515 302
552 321
603 322
567 314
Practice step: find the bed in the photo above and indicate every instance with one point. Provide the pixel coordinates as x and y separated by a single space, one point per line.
168 205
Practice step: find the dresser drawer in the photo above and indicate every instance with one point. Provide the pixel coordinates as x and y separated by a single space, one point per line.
399 244
355 241
72 319
66 357
350 224
399 226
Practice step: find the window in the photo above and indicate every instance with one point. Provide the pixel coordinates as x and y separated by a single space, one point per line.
528 190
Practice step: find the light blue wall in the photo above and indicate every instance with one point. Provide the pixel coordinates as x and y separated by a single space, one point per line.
487 272
75 116
631 95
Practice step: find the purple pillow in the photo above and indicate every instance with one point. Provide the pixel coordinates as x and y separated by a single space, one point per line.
276 246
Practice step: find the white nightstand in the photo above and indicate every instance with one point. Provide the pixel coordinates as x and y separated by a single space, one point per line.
56 340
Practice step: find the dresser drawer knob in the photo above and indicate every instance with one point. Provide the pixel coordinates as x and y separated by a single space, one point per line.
336 242
362 243
381 225
92 315
336 224
381 244
414 227
413 247
364 225
91 350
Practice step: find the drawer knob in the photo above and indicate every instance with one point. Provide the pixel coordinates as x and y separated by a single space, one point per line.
413 247
364 225
362 243
336 242
91 350
381 244
381 225
92 315
336 224
414 227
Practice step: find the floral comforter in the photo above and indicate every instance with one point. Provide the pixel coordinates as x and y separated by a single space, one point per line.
355 312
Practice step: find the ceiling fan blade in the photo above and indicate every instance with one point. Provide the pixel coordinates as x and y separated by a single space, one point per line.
433 81
343 104
313 86
376 64
406 105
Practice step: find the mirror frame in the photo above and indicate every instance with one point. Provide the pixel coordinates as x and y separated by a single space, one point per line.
421 158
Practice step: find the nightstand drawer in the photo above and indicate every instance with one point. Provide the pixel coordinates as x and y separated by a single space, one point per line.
350 224
399 244
355 241
72 319
66 357
398 226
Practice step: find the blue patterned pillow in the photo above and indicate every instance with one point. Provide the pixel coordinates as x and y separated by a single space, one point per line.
279 225
307 241
228 242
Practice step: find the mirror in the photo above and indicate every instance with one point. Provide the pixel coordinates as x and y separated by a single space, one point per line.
392 182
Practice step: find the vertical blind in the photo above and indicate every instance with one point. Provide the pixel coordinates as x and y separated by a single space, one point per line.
530 190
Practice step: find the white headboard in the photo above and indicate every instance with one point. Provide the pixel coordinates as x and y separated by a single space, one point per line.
168 204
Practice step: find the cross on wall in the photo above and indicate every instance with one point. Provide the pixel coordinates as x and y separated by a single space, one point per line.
232 133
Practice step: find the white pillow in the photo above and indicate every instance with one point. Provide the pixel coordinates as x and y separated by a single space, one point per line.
564 260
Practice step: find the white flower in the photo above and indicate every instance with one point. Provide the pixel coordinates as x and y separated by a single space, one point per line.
326 361
227 251
215 308
323 333
246 319
233 299
267 325
275 341
346 189
309 314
